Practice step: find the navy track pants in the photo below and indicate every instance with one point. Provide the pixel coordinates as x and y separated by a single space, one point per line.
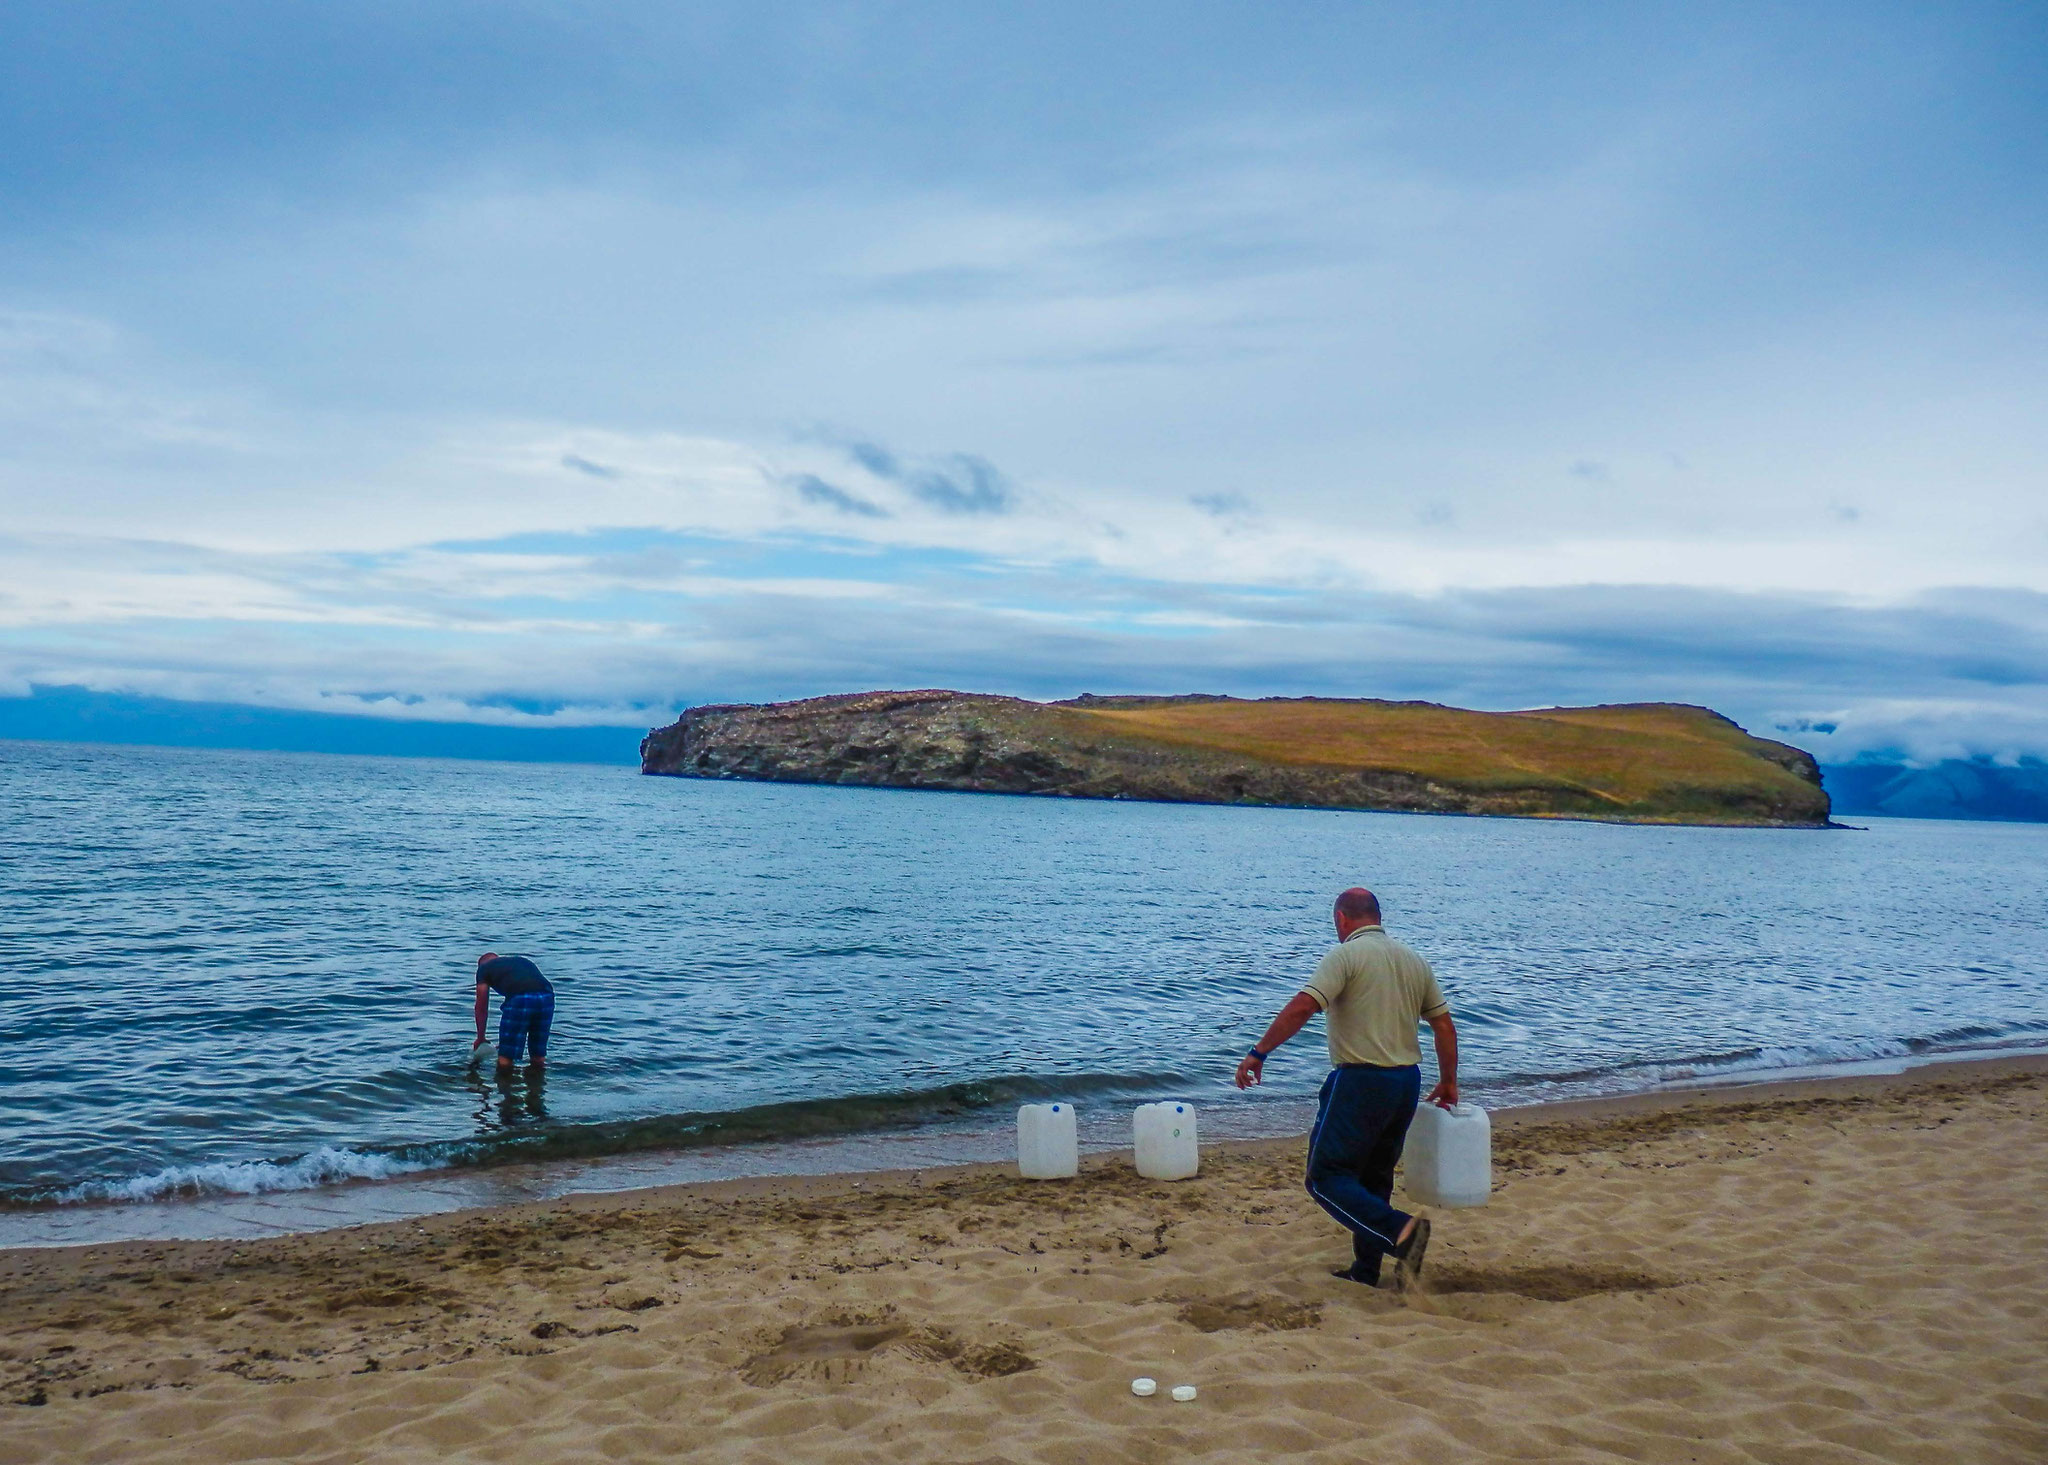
1361 1124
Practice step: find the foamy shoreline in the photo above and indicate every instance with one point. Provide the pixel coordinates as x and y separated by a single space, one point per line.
348 1193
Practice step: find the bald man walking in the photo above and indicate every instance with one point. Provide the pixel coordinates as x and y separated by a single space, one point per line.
1374 992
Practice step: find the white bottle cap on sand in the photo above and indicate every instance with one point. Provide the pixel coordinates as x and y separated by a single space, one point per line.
1182 1393
1144 1388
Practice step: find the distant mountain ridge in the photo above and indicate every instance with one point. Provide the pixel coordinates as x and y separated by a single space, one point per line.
1955 789
1636 763
78 715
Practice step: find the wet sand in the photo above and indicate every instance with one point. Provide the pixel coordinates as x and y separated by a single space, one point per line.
1841 1270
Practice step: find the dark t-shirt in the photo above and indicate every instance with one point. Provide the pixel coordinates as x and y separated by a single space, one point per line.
512 976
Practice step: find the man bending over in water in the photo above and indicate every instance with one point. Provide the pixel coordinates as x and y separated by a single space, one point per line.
527 1012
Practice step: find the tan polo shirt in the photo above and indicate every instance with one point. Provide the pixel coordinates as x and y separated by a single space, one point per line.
1373 990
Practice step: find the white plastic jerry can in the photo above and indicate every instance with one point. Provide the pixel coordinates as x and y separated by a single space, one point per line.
1164 1137
1449 1156
1048 1145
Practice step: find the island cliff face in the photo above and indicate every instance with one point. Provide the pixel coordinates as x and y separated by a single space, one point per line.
1646 763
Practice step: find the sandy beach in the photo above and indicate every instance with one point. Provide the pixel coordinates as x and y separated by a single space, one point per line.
1843 1270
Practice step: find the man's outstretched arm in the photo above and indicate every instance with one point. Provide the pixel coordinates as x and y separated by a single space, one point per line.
1299 1009
1445 1094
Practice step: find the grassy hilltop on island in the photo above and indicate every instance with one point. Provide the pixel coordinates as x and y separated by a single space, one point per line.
1643 763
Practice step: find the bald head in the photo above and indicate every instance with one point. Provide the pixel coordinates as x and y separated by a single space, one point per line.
1358 907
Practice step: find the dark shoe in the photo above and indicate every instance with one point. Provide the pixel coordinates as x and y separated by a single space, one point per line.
1408 1255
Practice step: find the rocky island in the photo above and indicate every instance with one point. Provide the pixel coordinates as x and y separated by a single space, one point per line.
1662 763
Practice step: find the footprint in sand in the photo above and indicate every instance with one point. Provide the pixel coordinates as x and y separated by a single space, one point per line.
1248 1310
837 1350
1542 1283
833 1352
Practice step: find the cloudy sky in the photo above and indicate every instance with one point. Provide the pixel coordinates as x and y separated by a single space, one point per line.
547 363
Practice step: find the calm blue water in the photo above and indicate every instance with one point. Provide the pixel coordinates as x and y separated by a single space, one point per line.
237 971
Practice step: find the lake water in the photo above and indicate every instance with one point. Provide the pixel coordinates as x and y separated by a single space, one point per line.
237 974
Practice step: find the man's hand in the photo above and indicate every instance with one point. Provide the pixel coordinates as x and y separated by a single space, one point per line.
1445 1032
1299 1009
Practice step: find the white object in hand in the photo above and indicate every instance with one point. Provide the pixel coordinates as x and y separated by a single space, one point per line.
1144 1388
1448 1160
1183 1393
1163 1136
1048 1144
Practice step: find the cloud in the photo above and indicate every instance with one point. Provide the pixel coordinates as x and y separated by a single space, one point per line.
584 465
617 628
958 483
816 490
1657 363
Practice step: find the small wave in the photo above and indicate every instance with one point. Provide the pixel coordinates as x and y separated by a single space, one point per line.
1789 1055
328 1165
1640 1072
796 1119
1848 1050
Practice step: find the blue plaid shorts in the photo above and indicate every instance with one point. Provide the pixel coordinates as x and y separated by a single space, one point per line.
529 1015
